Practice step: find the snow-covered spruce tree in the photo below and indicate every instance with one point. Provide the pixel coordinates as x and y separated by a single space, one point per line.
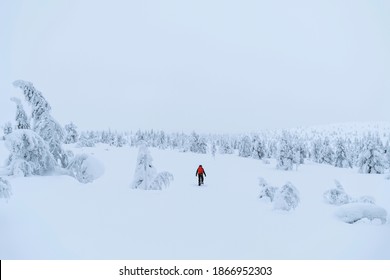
213 149
286 152
245 148
21 118
146 176
258 148
326 153
225 147
286 198
43 123
300 150
198 144
342 156
7 128
5 189
29 154
71 134
316 147
85 141
371 159
161 140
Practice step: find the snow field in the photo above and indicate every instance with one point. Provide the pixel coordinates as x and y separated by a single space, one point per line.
56 217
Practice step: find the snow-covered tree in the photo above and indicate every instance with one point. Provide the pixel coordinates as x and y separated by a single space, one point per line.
225 147
29 154
146 176
85 168
245 148
287 197
267 192
7 128
371 158
71 134
43 123
258 148
342 157
337 196
326 153
213 149
286 152
316 148
85 141
21 118
198 144
5 189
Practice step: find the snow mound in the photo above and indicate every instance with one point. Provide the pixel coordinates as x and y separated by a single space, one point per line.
337 196
361 212
5 189
286 198
85 168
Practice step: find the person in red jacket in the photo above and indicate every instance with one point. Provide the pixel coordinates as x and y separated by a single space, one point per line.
200 172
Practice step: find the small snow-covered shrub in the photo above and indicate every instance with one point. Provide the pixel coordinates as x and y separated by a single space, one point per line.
29 154
337 196
5 189
286 197
267 192
163 179
85 142
354 212
85 168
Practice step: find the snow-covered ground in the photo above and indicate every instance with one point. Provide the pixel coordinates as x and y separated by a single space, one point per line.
57 217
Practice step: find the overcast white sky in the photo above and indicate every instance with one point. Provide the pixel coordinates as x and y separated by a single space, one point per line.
209 66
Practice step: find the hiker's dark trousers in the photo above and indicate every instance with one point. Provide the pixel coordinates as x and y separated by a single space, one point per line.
200 179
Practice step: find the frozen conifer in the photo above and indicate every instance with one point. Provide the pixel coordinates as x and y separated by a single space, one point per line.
245 148
342 157
225 147
29 154
198 144
326 152
258 148
5 189
7 128
85 168
287 197
43 123
286 153
71 134
146 176
337 196
21 118
213 149
371 159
